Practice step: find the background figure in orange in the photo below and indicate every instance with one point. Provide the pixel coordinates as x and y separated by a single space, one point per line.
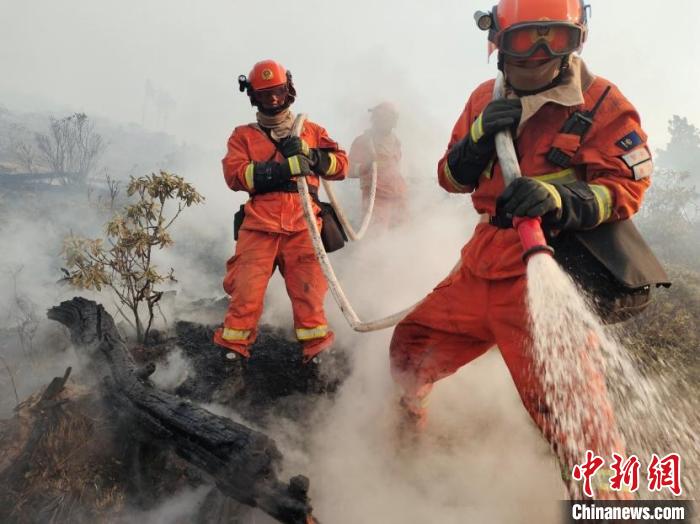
263 160
572 181
380 144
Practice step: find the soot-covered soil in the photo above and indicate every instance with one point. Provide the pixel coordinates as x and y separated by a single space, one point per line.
67 459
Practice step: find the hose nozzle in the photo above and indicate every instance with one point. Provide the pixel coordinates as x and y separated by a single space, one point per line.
531 237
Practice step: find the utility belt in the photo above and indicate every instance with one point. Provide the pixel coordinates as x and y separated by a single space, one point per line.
332 233
290 187
612 263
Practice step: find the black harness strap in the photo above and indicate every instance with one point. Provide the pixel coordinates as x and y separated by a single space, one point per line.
578 124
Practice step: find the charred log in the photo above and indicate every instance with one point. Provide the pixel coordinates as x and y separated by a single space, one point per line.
243 463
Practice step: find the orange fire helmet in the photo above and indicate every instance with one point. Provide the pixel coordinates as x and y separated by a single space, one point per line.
536 28
268 78
267 74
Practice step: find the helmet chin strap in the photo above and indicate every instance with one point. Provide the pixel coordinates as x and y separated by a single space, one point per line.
563 70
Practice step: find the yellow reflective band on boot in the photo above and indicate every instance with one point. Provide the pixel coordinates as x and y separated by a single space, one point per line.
311 333
249 170
294 166
477 130
605 201
451 179
234 335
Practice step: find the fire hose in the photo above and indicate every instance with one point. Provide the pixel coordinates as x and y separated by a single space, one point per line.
349 230
336 289
529 229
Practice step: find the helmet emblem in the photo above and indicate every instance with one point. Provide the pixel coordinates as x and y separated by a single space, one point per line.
267 74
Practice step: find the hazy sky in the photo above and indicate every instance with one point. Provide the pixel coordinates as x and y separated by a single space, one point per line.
97 57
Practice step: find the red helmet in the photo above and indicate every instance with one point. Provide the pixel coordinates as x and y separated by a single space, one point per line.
267 74
536 28
268 78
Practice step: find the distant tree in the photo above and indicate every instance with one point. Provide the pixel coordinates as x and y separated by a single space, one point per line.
125 262
683 150
670 217
71 148
26 155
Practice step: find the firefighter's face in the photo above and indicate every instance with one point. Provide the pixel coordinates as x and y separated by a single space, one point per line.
272 98
531 74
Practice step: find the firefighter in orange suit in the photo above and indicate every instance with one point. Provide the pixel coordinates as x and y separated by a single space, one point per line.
572 182
381 145
263 160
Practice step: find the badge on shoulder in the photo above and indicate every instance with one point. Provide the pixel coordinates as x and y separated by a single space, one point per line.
630 141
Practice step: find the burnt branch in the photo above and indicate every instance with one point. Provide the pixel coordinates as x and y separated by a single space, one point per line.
243 463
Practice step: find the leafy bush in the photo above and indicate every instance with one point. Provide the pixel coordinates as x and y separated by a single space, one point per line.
124 262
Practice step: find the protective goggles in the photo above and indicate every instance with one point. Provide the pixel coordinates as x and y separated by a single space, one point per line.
268 96
555 39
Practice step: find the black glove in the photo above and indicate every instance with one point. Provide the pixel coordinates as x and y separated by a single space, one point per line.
498 115
468 158
527 197
569 206
271 176
319 159
294 145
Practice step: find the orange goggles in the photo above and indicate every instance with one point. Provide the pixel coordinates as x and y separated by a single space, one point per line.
556 39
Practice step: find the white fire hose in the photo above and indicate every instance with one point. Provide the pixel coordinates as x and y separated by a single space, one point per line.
507 157
324 261
509 165
352 235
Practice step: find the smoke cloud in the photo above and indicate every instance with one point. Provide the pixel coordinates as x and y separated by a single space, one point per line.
161 83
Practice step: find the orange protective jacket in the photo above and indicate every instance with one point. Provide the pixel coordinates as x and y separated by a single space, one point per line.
604 159
275 212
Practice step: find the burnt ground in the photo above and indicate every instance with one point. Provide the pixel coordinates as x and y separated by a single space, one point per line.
71 461
274 373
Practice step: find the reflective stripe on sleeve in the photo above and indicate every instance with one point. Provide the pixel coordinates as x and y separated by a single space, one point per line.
567 175
477 129
294 166
451 179
333 167
249 170
605 201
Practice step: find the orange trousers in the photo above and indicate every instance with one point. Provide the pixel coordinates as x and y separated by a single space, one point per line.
247 274
459 321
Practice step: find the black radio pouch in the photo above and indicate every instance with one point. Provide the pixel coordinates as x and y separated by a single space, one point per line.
332 233
238 221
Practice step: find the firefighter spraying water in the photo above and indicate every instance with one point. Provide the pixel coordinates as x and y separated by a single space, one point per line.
565 189
585 164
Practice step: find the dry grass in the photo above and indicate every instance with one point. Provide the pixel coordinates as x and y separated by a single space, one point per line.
71 474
